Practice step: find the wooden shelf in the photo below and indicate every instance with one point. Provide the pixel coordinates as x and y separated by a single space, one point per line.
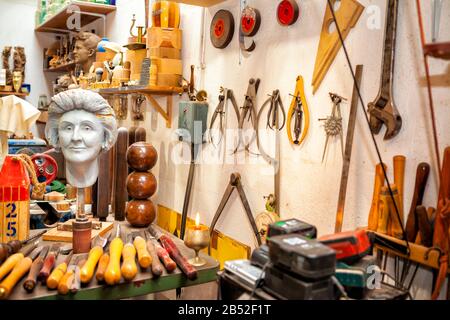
89 12
440 50
62 68
149 92
417 252
18 94
201 3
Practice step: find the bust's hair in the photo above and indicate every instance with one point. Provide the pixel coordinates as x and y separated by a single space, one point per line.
80 99
90 40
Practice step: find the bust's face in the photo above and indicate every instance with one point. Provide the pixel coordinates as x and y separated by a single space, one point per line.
81 53
81 135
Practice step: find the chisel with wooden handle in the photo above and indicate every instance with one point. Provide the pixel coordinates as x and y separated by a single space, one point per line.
164 256
57 274
399 180
112 273
396 221
49 264
13 246
102 265
66 281
76 282
175 254
374 209
144 257
19 270
88 268
14 259
36 266
383 207
422 173
129 267
157 268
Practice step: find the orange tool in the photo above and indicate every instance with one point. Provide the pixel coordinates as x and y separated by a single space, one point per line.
144 257
57 274
87 270
374 209
14 259
66 281
129 267
113 273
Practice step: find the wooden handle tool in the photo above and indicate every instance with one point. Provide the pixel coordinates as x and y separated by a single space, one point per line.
120 190
374 209
399 180
383 213
88 268
76 282
19 270
157 268
9 264
112 273
396 221
129 267
67 279
57 273
424 226
144 257
164 256
176 255
36 266
49 264
102 265
422 173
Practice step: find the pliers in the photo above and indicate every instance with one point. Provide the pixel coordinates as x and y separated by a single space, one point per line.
225 95
249 108
299 110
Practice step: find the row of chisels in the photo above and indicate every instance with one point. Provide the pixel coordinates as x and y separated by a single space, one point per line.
109 260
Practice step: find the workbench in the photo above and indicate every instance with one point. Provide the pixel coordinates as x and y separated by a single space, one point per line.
142 284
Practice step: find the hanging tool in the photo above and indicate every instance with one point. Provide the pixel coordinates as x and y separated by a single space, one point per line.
437 8
374 208
157 268
87 270
13 246
383 109
348 152
250 23
49 263
300 112
287 12
57 274
422 173
67 279
424 226
399 162
221 30
346 16
248 108
30 281
175 254
220 111
144 257
333 123
235 183
129 267
19 270
113 272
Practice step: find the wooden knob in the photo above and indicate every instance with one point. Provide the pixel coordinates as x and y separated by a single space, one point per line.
142 156
141 185
140 213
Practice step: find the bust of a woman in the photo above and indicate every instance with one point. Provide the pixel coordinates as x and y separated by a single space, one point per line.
81 124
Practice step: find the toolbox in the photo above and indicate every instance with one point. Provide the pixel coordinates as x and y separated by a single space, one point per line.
285 285
260 256
350 246
292 226
302 256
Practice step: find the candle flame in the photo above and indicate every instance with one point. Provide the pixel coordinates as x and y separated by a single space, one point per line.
197 219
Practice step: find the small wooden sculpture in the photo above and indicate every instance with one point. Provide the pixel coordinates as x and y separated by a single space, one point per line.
6 54
20 60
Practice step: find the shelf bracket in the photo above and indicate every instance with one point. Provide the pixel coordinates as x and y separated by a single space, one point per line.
166 114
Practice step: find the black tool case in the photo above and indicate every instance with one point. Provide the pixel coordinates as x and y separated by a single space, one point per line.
285 285
292 226
260 256
302 256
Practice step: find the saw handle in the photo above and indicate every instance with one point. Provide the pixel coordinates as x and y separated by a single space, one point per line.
176 255
87 270
16 274
47 267
157 268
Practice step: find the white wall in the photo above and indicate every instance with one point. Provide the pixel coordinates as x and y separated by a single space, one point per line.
309 188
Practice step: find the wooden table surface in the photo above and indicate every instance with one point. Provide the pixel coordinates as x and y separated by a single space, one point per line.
142 284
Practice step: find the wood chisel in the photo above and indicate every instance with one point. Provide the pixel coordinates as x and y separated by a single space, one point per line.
129 267
144 257
57 274
49 263
374 209
157 268
36 266
174 253
66 281
112 273
104 260
87 270
76 282
19 270
13 246
164 256
14 259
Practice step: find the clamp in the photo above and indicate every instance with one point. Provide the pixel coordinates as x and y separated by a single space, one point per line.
235 183
300 116
226 94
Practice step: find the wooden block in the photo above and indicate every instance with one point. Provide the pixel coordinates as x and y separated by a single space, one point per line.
164 37
170 80
54 196
164 52
63 206
66 236
136 57
169 66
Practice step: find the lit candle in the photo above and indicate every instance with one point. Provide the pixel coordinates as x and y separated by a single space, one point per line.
197 222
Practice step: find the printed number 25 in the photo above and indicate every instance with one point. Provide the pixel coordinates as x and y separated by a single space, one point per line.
11 230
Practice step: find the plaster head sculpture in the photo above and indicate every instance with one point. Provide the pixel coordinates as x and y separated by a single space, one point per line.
85 49
17 80
82 125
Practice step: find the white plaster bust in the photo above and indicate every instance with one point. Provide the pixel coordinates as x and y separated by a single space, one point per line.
81 124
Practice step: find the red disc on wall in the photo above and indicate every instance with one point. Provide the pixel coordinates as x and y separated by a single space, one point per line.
250 21
222 29
287 12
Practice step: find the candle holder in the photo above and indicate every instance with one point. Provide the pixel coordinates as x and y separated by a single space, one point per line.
197 238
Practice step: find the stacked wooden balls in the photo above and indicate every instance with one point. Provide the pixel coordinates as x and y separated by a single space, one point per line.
141 184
